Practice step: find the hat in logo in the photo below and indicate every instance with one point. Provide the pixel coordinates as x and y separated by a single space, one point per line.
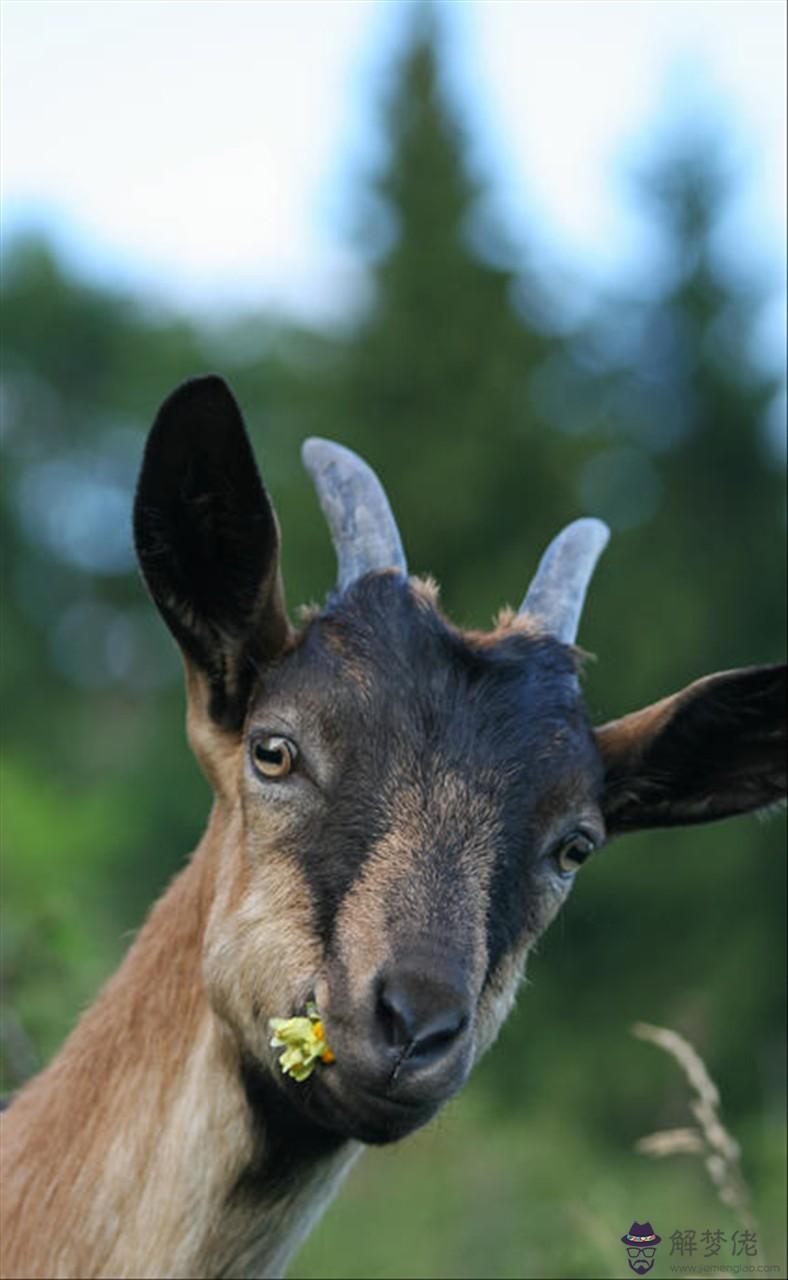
641 1234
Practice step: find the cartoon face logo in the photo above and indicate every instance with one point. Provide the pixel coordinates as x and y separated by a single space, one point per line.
641 1241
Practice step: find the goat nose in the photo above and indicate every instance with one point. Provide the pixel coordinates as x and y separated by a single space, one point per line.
420 1016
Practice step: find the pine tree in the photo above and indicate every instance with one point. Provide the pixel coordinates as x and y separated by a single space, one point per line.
433 381
668 388
686 410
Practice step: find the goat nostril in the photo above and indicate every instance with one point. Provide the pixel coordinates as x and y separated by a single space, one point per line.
419 1016
395 1017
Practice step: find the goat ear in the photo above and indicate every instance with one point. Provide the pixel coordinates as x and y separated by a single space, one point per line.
208 544
714 749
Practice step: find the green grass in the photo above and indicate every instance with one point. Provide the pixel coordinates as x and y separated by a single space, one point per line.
477 1195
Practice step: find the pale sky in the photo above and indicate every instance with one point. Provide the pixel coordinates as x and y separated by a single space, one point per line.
204 151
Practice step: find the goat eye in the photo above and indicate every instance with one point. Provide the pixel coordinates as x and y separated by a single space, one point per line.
573 852
274 757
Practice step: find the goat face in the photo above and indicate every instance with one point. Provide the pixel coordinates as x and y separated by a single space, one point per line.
401 807
421 835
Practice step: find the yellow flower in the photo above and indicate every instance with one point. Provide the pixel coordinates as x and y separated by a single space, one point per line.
304 1042
326 1056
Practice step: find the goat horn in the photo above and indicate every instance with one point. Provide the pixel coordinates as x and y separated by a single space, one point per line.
362 526
556 595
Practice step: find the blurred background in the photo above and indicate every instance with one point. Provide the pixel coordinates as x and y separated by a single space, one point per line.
529 259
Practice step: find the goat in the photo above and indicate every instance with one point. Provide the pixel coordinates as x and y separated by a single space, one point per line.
400 810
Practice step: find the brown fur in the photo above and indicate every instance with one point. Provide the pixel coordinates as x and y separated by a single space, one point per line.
108 1100
395 875
426 591
120 1159
629 735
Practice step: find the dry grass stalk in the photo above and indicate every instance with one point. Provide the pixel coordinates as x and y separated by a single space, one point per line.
710 1140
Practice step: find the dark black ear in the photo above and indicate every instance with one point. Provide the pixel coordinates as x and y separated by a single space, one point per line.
208 544
715 749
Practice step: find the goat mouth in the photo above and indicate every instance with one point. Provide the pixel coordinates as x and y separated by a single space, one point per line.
344 1096
350 1111
370 1118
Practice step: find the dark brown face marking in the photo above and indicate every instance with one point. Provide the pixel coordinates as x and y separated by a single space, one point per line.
389 701
436 772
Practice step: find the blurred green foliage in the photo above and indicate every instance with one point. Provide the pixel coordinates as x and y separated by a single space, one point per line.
492 424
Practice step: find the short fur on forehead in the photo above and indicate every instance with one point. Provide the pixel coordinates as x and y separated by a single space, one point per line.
383 637
385 607
384 642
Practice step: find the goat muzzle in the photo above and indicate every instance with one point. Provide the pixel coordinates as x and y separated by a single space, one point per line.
400 1054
